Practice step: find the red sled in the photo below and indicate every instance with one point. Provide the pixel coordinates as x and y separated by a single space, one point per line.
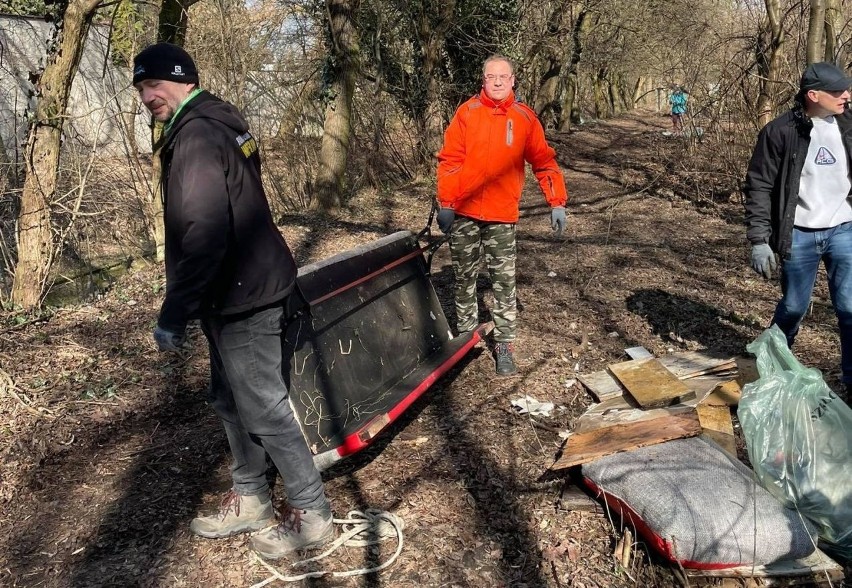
368 338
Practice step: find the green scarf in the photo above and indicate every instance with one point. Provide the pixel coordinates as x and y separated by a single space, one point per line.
186 101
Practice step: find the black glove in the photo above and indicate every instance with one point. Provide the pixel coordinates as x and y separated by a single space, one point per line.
168 341
446 216
763 260
557 219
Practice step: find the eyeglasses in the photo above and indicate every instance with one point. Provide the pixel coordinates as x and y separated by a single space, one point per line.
501 77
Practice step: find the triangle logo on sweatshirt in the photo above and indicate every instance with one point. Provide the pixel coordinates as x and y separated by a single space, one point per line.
824 157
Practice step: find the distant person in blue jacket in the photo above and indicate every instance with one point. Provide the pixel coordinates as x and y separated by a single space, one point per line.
678 101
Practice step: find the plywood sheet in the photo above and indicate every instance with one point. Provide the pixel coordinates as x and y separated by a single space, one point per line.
638 352
688 364
601 385
747 370
588 446
725 393
574 499
650 383
716 423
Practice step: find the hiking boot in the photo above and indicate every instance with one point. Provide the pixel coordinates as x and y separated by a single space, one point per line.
505 361
299 529
237 514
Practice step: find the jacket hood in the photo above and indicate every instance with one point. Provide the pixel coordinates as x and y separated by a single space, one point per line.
206 105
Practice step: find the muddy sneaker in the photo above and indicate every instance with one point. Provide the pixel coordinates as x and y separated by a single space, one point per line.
505 361
237 514
299 529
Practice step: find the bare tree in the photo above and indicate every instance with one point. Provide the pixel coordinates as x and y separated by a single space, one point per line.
832 15
816 28
36 246
337 131
768 57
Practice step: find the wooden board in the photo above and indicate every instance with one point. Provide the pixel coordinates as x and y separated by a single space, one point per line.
747 369
638 352
601 385
725 393
716 423
574 499
688 364
623 409
817 567
588 446
650 383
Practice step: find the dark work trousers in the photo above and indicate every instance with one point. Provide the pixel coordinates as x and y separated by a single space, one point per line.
248 392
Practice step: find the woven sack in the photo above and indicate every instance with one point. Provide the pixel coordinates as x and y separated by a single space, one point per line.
697 505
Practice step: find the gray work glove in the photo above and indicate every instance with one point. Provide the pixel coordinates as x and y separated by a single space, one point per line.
446 216
168 341
557 219
763 260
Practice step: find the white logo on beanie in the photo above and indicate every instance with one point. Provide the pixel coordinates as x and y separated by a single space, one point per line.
178 71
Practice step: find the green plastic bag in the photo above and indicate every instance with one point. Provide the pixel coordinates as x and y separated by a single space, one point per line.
799 439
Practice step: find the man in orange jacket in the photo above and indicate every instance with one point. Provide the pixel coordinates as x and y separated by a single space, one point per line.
480 179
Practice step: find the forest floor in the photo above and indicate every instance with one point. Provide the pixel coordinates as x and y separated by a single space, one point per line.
107 449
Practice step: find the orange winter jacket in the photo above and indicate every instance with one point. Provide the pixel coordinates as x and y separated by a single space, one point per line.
481 165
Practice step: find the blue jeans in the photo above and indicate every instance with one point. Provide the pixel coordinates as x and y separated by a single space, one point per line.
798 274
248 392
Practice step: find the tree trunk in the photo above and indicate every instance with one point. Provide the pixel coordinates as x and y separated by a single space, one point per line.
173 22
433 37
816 24
601 95
377 117
547 104
337 130
570 113
157 210
832 15
36 249
769 61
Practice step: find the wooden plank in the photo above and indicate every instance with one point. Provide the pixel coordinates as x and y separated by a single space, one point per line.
725 393
817 567
588 446
747 369
601 385
650 383
688 364
574 499
638 352
716 423
619 410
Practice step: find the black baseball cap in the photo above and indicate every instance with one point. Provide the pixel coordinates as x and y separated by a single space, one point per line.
824 76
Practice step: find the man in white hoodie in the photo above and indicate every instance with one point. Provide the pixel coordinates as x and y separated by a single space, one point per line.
797 201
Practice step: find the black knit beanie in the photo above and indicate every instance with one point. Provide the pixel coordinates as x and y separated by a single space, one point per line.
164 61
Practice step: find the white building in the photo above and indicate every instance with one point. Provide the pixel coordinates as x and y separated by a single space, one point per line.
100 94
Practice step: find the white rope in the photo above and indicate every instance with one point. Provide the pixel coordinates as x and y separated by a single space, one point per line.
359 529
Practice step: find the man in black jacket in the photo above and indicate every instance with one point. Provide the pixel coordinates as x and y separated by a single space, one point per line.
228 265
797 199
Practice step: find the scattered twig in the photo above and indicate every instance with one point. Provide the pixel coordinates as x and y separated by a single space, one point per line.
7 385
532 421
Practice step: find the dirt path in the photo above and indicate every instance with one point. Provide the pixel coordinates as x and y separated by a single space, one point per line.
99 489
